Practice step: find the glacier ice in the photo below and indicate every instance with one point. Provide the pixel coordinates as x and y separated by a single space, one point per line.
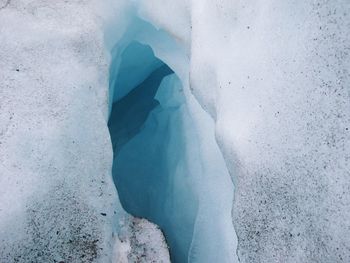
162 154
257 95
149 166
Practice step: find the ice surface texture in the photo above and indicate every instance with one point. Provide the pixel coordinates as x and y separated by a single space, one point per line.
267 81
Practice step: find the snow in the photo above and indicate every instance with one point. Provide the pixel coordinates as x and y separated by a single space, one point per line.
147 243
281 105
141 241
58 201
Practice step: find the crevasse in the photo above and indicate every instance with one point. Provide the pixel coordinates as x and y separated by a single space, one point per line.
167 166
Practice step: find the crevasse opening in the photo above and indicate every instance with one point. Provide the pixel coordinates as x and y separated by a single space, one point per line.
149 167
167 166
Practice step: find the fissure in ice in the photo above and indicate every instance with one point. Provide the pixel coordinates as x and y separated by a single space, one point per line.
167 166
146 132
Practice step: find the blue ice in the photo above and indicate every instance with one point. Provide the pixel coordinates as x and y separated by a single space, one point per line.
150 168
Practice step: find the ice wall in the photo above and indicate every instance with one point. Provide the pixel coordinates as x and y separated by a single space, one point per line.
151 167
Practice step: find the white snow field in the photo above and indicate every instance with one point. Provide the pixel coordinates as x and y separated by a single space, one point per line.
192 131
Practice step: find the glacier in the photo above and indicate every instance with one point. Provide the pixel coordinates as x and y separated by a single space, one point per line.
182 131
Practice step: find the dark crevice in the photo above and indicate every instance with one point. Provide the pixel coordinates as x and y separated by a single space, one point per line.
130 113
150 169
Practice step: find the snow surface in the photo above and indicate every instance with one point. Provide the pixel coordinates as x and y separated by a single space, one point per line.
58 201
53 191
282 111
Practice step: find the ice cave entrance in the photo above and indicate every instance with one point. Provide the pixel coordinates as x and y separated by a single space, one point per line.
150 166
